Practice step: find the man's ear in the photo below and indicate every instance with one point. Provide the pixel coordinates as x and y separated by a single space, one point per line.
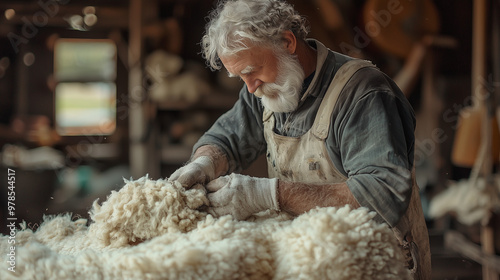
290 41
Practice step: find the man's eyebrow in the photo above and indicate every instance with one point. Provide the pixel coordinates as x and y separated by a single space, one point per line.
249 69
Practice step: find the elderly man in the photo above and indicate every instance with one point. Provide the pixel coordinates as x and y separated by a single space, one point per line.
335 130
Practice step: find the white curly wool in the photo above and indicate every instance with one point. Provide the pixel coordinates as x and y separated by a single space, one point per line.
144 209
173 240
468 200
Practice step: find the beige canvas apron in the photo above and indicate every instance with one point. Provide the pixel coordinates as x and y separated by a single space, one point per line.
305 159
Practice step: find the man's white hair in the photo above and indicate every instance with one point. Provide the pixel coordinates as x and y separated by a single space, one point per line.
234 25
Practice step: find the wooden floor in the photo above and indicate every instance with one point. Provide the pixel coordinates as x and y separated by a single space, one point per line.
449 265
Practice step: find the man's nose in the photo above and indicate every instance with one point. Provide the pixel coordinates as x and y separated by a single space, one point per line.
253 85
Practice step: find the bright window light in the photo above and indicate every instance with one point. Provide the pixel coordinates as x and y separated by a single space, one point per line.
85 95
85 108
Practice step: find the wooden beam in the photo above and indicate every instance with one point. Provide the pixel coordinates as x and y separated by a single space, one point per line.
55 16
460 244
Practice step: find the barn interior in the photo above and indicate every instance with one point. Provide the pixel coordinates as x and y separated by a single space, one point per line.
92 92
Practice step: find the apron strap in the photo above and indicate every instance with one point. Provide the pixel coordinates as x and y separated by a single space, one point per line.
323 119
266 115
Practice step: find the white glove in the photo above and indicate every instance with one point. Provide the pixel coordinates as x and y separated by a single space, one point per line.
199 171
241 196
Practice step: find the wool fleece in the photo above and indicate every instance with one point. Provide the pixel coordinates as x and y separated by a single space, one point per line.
155 229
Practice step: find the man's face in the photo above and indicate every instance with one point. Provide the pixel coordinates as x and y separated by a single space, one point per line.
276 78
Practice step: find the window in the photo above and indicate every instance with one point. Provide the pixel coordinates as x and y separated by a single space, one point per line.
85 95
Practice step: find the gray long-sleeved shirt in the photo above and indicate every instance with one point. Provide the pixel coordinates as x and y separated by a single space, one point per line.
371 140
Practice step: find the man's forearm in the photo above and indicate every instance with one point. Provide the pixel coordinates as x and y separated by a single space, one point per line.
297 198
218 157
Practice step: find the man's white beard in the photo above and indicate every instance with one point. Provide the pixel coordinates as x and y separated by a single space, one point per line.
283 95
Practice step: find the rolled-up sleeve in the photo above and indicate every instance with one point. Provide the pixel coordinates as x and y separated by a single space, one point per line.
376 150
238 132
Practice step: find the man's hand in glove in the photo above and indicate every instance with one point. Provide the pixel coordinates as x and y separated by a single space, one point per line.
199 171
241 196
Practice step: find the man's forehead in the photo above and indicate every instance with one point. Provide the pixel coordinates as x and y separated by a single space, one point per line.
245 61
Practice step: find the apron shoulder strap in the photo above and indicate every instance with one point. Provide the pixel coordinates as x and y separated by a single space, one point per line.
266 115
322 122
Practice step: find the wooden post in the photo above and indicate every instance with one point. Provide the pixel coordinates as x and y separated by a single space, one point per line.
488 247
137 93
